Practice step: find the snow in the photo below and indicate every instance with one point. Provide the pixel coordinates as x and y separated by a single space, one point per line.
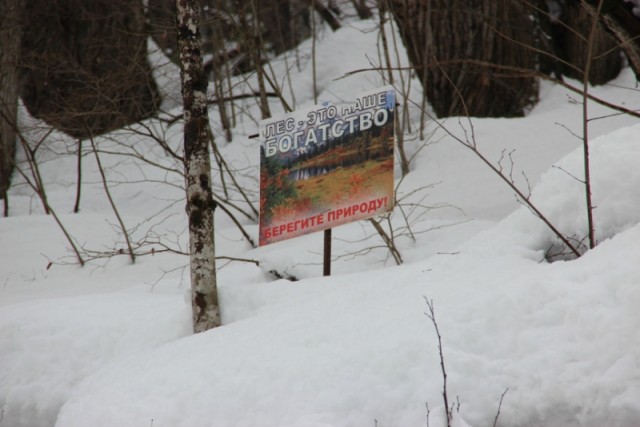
109 344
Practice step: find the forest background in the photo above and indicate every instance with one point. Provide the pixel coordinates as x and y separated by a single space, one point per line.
93 125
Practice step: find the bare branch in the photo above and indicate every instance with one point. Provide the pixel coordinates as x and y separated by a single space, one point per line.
432 316
495 421
111 202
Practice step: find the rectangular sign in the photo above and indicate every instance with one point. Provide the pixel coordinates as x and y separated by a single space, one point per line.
326 166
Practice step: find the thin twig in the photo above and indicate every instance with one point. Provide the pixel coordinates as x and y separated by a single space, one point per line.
55 217
585 126
432 316
495 421
111 202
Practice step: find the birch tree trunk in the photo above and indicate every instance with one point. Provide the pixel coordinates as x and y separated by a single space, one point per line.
200 203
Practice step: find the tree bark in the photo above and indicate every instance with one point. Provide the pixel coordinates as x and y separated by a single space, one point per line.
84 67
362 9
617 16
574 32
447 44
10 30
200 203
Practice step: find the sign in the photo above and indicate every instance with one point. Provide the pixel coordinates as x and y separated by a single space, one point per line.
326 165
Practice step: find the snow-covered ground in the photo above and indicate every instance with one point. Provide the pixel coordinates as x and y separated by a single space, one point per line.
109 344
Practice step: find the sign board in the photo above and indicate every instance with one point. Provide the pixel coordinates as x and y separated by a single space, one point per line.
326 165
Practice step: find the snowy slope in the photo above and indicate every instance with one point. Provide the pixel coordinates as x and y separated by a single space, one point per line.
109 344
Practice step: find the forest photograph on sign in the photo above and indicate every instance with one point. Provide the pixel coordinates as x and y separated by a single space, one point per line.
326 166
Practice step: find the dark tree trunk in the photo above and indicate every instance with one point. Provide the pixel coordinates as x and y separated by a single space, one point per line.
470 54
618 18
85 68
276 17
362 9
549 33
10 29
570 27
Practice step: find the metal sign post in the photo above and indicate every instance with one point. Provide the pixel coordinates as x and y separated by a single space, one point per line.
327 252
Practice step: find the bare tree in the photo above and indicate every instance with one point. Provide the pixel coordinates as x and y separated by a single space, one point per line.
200 203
